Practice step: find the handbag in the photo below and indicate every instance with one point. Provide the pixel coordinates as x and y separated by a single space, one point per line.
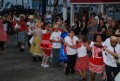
31 40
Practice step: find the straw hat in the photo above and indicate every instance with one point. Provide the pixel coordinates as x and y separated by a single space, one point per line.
31 17
56 26
22 15
39 24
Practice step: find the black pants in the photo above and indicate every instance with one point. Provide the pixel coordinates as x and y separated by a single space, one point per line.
71 64
29 37
2 46
109 71
10 29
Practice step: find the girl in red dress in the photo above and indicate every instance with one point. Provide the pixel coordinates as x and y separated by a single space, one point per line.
46 45
96 65
3 36
82 62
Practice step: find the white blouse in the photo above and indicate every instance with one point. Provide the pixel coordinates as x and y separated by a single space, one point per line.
82 51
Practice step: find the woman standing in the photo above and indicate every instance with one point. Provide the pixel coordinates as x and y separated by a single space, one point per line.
46 44
114 26
96 65
84 30
3 36
35 46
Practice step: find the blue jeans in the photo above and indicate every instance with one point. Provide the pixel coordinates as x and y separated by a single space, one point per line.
56 54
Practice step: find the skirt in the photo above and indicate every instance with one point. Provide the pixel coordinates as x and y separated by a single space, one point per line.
22 37
63 55
47 52
96 65
35 48
3 36
82 63
46 44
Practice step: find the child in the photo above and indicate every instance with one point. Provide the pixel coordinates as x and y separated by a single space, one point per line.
46 44
3 37
35 49
56 44
82 61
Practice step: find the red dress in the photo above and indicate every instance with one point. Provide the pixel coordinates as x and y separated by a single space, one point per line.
46 45
3 35
96 61
82 62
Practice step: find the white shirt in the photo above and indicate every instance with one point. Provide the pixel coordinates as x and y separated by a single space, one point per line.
17 26
56 36
43 31
106 42
108 58
82 51
5 27
68 40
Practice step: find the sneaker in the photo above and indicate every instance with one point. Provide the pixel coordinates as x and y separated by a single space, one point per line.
42 65
3 52
46 65
34 59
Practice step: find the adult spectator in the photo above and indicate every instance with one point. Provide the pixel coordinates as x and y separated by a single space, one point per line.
109 22
84 30
76 28
114 25
101 29
92 30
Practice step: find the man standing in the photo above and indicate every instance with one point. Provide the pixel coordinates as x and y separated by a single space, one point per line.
110 56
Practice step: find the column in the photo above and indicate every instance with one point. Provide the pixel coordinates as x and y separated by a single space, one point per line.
65 10
72 14
102 8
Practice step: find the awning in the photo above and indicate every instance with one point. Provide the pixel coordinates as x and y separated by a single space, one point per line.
94 1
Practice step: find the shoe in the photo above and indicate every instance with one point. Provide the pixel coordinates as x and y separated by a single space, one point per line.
84 78
39 58
21 50
42 65
66 73
34 59
16 46
45 66
3 52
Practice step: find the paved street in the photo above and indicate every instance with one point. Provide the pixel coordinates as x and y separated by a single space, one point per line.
16 66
